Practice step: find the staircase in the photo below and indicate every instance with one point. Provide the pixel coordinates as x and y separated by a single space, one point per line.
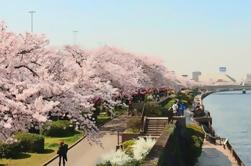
154 126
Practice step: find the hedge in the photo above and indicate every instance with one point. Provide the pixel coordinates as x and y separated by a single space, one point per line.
59 128
9 150
195 137
184 147
30 142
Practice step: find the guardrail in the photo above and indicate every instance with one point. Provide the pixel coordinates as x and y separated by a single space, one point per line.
226 143
233 152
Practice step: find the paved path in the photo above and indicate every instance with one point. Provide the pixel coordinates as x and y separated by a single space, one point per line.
85 154
215 155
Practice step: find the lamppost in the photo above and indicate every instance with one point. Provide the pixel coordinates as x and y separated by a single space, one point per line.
31 13
74 34
118 146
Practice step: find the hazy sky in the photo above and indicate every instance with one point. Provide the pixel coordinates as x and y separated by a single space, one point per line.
187 34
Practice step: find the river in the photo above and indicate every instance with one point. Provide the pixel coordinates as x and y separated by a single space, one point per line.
231 113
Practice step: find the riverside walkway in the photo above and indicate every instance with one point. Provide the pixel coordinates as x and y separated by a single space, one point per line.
86 154
215 155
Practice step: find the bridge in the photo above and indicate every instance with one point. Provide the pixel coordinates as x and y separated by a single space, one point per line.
222 88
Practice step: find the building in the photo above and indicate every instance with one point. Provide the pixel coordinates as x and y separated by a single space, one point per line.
247 80
196 75
222 69
217 79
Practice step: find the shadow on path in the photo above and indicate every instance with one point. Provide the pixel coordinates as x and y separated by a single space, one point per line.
213 157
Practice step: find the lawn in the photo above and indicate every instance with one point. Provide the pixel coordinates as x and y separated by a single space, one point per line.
35 159
103 118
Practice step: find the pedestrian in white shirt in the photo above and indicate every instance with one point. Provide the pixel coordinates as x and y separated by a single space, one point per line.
173 112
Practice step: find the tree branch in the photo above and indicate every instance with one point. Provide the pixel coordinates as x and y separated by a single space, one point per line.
23 66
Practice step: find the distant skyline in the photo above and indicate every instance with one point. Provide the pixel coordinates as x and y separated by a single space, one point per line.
189 35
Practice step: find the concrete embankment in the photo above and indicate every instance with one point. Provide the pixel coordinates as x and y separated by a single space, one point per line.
216 150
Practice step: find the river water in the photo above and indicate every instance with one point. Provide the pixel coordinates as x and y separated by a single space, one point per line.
231 113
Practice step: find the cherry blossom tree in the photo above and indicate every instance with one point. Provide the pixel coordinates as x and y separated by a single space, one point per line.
21 56
31 87
38 82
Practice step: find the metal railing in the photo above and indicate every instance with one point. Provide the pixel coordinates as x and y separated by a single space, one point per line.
233 152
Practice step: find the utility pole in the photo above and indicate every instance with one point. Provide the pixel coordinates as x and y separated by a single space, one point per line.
74 33
32 13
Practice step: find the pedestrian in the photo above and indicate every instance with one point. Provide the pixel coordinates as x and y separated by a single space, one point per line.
62 153
175 107
181 108
172 111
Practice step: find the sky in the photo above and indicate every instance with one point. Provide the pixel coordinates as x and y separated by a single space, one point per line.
189 35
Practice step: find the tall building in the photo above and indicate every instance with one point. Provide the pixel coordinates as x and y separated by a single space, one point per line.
247 81
196 75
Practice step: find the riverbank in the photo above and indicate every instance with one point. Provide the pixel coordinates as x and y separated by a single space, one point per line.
224 150
216 155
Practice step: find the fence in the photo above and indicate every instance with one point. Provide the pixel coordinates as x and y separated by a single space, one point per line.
233 152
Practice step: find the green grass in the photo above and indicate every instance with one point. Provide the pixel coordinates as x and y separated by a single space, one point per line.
102 118
37 159
51 145
53 142
132 131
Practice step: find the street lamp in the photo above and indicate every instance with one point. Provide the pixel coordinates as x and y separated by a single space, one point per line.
31 13
74 33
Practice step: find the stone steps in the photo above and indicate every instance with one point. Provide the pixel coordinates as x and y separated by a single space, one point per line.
155 127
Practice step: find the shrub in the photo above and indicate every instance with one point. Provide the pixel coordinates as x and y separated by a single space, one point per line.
186 98
134 152
128 147
129 163
11 150
133 162
153 109
183 147
195 137
107 163
142 147
170 103
30 142
59 128
134 123
115 158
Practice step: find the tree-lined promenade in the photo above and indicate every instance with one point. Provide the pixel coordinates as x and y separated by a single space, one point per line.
44 89
52 96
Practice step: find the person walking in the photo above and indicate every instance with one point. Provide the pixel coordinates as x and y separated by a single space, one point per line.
175 107
62 153
181 108
173 111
